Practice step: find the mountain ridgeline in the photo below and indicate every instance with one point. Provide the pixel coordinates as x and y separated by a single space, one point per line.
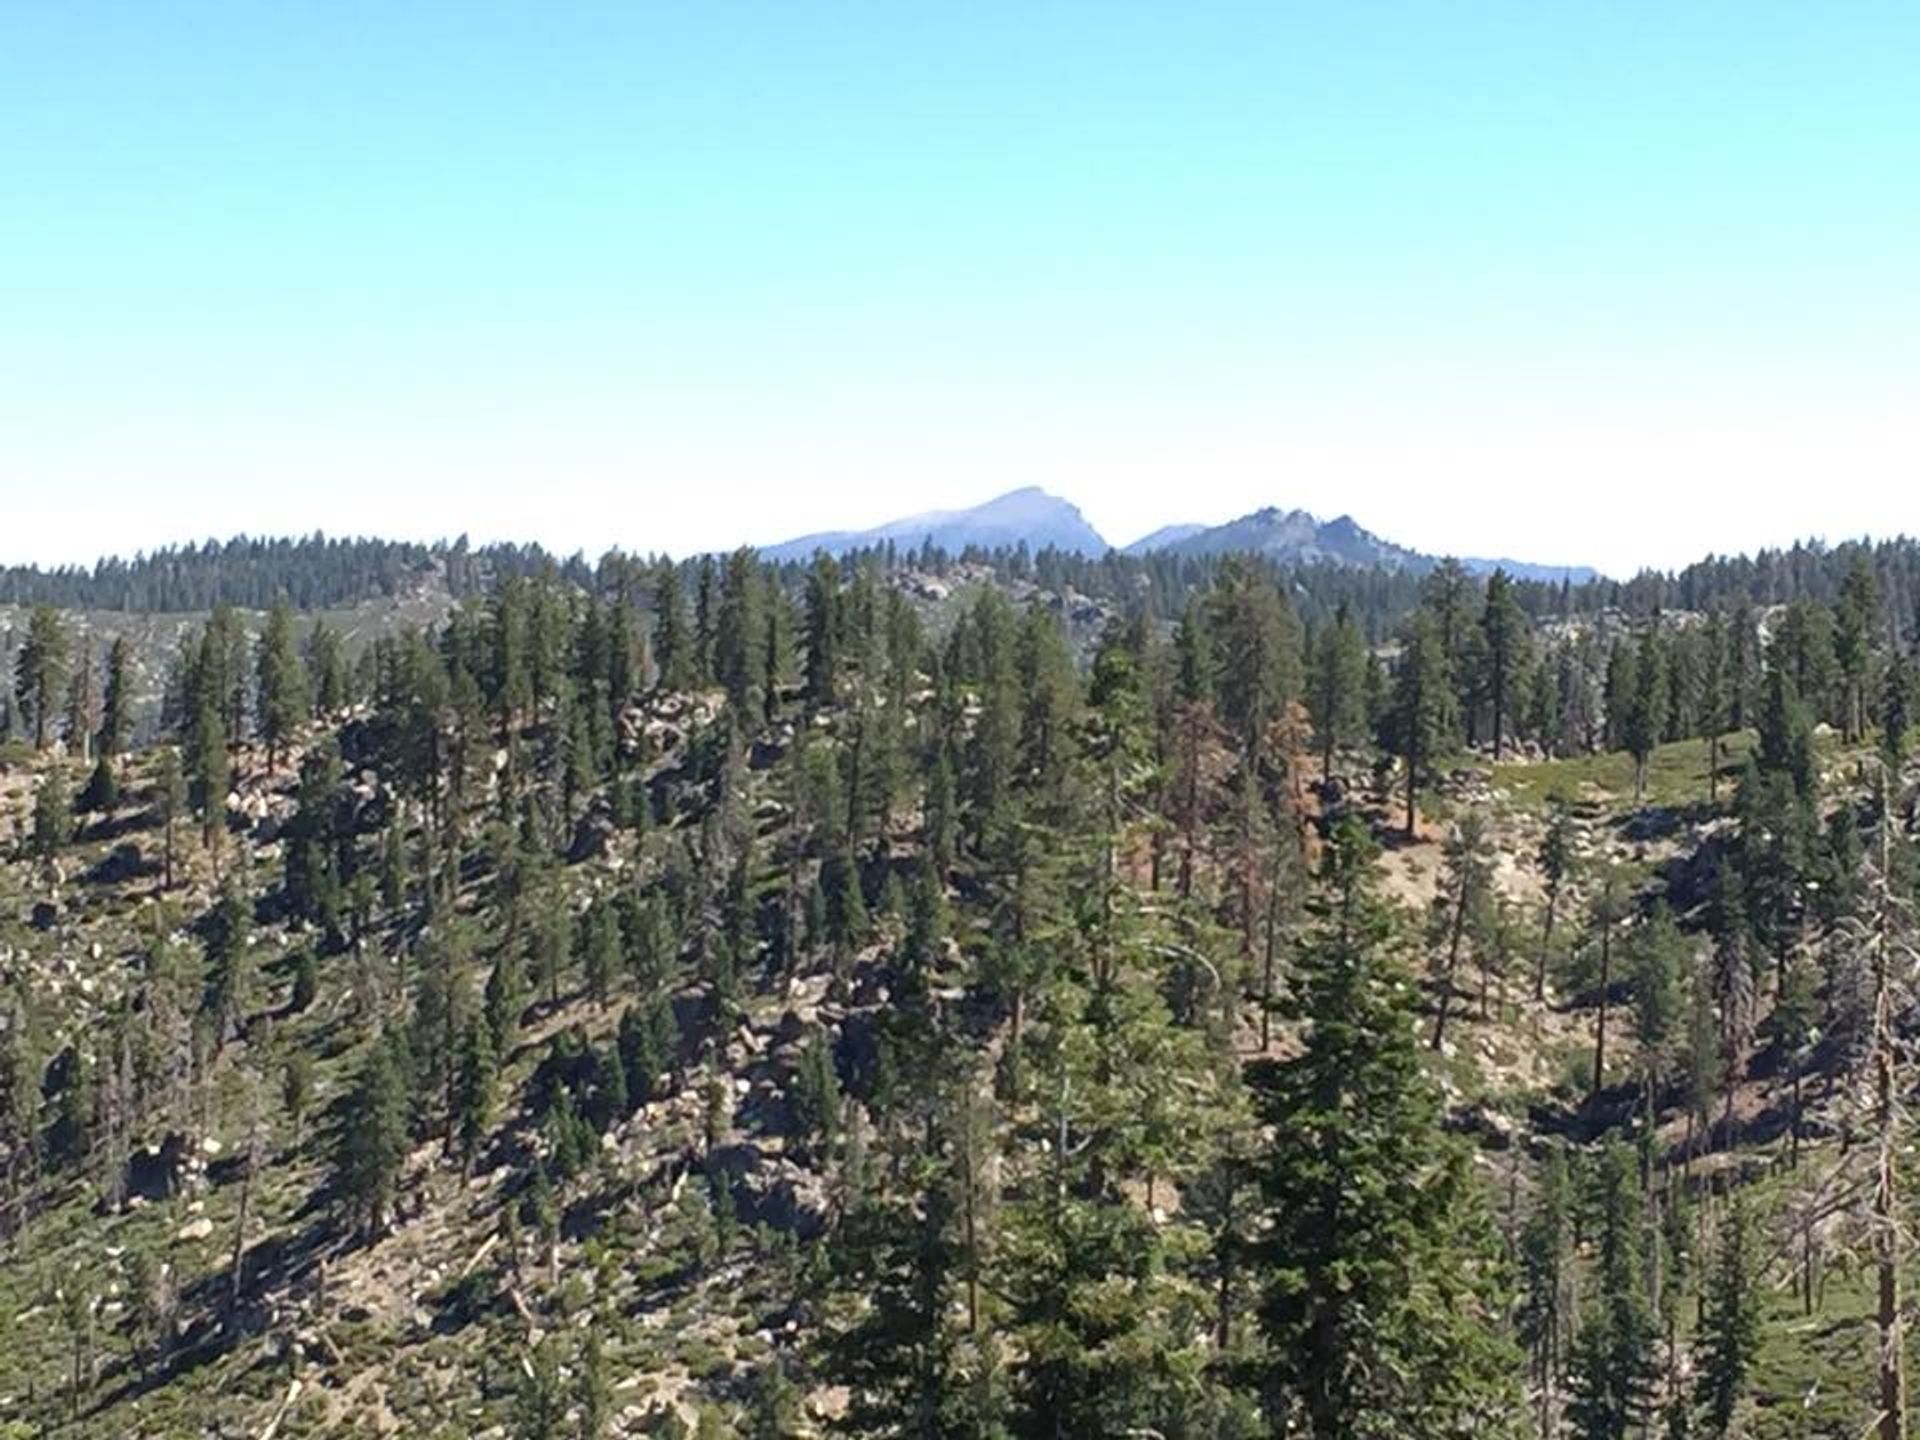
994 994
1025 533
1028 517
1038 521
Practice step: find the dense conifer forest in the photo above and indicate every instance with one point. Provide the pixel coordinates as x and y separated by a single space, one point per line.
317 572
978 995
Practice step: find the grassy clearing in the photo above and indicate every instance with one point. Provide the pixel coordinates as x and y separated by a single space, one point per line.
1814 1374
1676 774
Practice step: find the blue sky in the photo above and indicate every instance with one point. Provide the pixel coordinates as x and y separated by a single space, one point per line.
1611 283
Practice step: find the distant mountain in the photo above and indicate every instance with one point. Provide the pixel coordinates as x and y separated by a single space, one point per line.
1528 570
1165 538
1038 519
1290 535
1029 514
1297 537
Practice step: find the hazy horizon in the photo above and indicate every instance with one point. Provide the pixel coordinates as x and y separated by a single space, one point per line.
830 526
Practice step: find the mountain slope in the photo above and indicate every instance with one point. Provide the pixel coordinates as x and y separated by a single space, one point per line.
1029 515
1530 570
1163 538
1295 536
1298 537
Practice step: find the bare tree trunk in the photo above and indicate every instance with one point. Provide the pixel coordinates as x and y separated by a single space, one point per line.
1413 771
1806 1264
1546 944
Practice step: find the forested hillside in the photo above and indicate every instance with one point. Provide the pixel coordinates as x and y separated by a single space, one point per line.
996 995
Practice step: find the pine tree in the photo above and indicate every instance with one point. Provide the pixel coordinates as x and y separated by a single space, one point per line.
101 796
1421 718
1544 1259
1382 1302
1465 891
40 669
1609 909
1503 633
393 870
609 1102
1640 724
739 632
172 789
1657 959
706 609
312 848
510 684
672 638
72 1090
220 672
1896 710
116 709
846 916
150 1306
1786 734
210 771
476 1078
83 709
506 1000
371 1144
1613 1361
600 962
1856 619
1743 665
1257 650
78 1312
230 965
648 1041
326 664
540 1404
891 1340
296 1091
1191 746
814 1097
282 701
52 813
1729 1338
549 944
593 1390
1337 691
20 1098
1556 862
1445 595
824 628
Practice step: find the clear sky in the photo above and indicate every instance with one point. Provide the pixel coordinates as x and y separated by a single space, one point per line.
1614 283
